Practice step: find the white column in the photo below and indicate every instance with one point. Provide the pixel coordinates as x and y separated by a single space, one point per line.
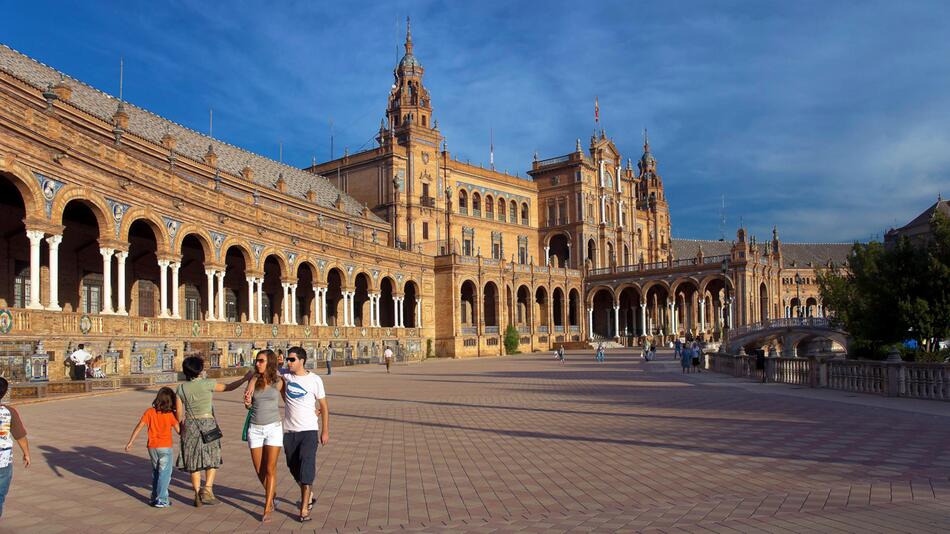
284 308
643 319
250 298
323 306
379 302
221 315
176 309
702 315
315 316
673 329
120 257
260 299
372 310
210 274
163 288
547 255
53 241
293 303
603 208
730 313
418 313
590 324
352 308
35 237
106 280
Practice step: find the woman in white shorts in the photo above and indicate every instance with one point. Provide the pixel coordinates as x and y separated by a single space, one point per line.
265 435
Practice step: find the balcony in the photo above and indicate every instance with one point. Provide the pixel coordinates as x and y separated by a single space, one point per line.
428 202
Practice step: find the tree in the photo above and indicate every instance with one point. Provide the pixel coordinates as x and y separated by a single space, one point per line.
889 296
511 340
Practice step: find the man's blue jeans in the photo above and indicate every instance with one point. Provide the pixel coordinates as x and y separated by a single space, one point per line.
6 476
161 474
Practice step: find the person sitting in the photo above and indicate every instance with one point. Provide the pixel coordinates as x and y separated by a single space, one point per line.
95 370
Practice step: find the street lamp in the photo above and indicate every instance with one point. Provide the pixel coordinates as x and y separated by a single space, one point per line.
798 290
725 285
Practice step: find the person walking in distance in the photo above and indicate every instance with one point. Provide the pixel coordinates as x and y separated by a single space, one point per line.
11 429
330 351
388 356
306 414
78 358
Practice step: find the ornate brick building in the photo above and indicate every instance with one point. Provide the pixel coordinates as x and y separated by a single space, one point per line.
146 241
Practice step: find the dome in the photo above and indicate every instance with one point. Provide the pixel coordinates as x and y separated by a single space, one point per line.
410 61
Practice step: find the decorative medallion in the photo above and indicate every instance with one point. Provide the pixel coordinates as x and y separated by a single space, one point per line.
321 264
6 321
291 257
238 330
411 332
146 326
258 248
218 240
274 331
307 330
118 212
85 324
196 328
172 226
425 157
349 270
375 274
336 332
389 332
49 187
363 331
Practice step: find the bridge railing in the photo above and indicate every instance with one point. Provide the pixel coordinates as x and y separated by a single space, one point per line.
930 381
785 322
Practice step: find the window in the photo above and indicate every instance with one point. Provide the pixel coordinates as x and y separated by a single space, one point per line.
501 209
513 213
497 247
468 240
192 303
524 213
425 190
523 249
21 285
92 293
231 306
463 201
489 207
476 205
147 298
561 211
556 179
578 177
552 217
425 230
580 207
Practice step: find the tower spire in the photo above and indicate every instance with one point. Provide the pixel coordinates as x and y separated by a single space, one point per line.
646 141
408 37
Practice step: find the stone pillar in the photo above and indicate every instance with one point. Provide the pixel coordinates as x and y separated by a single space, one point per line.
418 313
221 315
250 298
643 319
323 306
36 238
259 282
315 316
210 274
730 313
590 323
702 314
107 280
176 308
53 241
284 307
617 321
120 257
674 331
547 255
163 288
293 303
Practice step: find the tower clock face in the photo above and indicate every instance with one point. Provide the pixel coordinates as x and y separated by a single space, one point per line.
425 157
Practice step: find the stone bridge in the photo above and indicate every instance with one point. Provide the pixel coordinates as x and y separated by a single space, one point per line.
816 334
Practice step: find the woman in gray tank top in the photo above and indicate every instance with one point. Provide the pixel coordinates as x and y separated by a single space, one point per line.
265 436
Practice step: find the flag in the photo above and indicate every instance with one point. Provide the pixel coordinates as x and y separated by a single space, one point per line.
596 111
491 148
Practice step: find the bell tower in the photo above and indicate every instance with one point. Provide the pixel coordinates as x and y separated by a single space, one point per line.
409 104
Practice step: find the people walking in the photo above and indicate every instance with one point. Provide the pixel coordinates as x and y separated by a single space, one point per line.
11 429
677 349
330 351
388 356
160 420
560 353
306 414
265 434
685 360
78 358
200 434
600 353
695 355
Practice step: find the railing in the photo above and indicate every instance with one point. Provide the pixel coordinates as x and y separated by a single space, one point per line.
428 202
543 329
469 330
785 322
524 329
575 328
554 161
888 378
491 329
558 328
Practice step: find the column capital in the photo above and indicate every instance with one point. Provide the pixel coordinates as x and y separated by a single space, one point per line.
54 240
209 272
35 236
121 255
106 252
219 274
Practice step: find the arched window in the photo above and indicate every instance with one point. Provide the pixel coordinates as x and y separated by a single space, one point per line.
501 209
476 204
513 213
489 207
524 213
463 201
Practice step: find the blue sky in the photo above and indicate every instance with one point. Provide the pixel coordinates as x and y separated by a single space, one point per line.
828 119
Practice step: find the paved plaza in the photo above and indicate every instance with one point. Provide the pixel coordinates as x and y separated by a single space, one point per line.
523 443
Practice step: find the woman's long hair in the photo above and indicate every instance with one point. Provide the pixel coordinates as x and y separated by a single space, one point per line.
270 372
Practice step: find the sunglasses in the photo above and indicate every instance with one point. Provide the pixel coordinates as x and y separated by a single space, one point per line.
290 359
260 361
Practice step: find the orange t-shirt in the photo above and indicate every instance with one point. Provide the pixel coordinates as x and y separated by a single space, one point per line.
160 427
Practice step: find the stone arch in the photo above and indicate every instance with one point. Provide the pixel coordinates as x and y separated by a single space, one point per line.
410 290
469 295
573 307
24 180
709 278
149 217
277 255
207 247
94 201
654 283
683 281
589 300
242 246
331 265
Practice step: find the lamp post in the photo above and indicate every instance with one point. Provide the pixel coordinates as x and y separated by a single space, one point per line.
798 292
725 285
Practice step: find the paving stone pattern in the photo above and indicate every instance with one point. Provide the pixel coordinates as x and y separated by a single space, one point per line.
522 444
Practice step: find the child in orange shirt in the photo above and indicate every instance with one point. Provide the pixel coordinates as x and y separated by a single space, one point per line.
160 420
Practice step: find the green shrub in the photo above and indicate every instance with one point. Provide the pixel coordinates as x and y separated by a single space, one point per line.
511 340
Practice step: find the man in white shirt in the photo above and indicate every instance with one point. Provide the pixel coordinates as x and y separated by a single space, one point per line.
305 414
78 358
388 356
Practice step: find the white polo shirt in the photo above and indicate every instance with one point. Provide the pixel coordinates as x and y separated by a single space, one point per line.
300 401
